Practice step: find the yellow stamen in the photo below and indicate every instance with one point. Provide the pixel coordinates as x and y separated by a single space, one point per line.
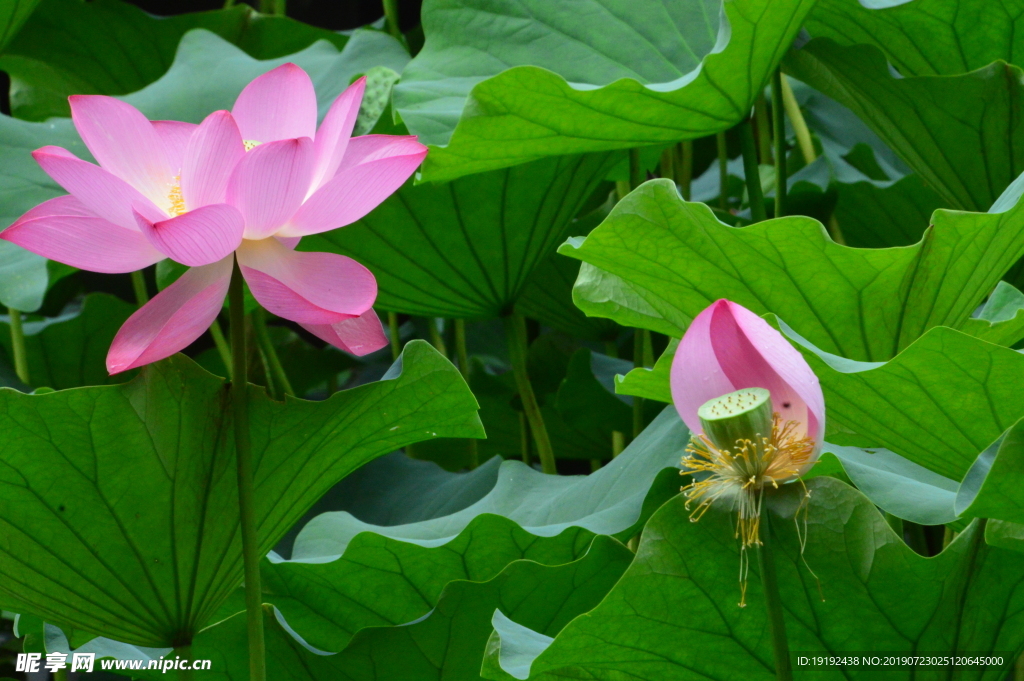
250 144
177 201
738 476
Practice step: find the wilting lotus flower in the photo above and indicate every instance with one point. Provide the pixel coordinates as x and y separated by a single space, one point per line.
248 184
754 407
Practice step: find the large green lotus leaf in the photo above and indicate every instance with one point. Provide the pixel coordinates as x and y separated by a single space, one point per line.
547 297
501 83
467 248
883 217
865 304
207 74
119 505
615 500
673 615
381 581
967 153
926 37
13 15
109 47
447 645
70 350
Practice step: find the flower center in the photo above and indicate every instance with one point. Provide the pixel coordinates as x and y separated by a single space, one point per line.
250 144
177 201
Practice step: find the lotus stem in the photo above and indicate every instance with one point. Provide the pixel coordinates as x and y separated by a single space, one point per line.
796 119
463 356
259 321
139 284
18 345
684 168
435 335
228 4
666 167
915 538
223 349
185 672
779 131
246 491
273 7
618 442
393 332
524 438
391 18
751 172
636 173
773 600
764 141
723 171
515 331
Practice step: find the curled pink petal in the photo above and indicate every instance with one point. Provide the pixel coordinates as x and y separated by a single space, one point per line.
727 348
368 148
125 143
269 183
332 137
359 335
355 190
174 136
308 288
210 157
199 237
83 241
105 195
279 105
173 319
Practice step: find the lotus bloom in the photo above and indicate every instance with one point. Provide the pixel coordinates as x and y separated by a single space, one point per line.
753 406
245 184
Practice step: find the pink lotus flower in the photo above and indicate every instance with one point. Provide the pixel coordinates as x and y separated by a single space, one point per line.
754 408
245 184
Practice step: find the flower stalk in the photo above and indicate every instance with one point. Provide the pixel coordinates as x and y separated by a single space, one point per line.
515 332
139 285
463 356
246 490
185 653
393 333
723 171
773 601
221 343
280 377
779 132
751 173
391 18
18 345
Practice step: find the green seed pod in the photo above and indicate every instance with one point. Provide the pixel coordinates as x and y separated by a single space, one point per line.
742 415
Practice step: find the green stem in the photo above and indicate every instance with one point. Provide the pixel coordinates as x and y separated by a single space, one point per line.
779 133
391 18
915 538
636 173
228 4
246 491
751 172
595 465
723 171
773 601
61 674
684 174
835 231
139 284
515 331
764 142
524 438
273 7
185 653
463 356
18 345
435 336
618 442
393 332
641 338
272 388
259 321
666 167
796 119
222 345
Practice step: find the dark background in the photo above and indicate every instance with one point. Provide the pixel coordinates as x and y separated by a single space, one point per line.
336 15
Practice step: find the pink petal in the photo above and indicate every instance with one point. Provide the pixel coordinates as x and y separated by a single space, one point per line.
279 105
333 136
212 154
174 136
727 348
198 237
61 205
125 143
356 190
83 241
269 183
173 319
105 195
359 336
309 288
375 147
